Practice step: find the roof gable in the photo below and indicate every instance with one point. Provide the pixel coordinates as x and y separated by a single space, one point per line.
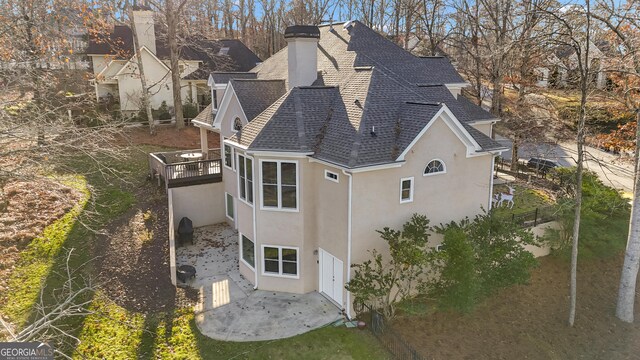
134 61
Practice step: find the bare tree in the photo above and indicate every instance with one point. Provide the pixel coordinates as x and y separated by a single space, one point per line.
172 10
573 29
71 300
623 21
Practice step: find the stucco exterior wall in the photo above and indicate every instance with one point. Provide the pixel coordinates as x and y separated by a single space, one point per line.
233 110
283 228
461 191
203 204
327 207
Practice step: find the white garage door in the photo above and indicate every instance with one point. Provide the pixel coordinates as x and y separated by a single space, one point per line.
331 282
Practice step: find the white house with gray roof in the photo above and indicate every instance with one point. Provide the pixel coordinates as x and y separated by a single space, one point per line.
337 135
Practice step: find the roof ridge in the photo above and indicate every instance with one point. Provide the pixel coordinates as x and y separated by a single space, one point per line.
297 104
323 129
233 72
259 80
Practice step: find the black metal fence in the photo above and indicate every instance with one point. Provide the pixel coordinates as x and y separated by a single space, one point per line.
535 217
377 324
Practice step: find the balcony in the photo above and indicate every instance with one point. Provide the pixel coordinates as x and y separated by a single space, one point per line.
187 167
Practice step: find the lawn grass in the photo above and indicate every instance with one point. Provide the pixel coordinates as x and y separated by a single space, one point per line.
38 259
525 200
115 333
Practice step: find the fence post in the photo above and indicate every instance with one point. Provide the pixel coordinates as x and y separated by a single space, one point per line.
535 221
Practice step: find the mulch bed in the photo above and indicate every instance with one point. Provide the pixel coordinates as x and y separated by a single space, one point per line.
185 138
133 257
530 321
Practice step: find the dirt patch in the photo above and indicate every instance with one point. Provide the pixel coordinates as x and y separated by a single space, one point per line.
26 208
186 138
530 321
133 257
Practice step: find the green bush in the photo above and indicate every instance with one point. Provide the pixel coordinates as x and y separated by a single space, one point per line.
381 283
604 217
162 113
479 257
457 288
189 110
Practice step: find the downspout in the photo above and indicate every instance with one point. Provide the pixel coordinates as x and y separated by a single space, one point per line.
255 232
493 159
349 241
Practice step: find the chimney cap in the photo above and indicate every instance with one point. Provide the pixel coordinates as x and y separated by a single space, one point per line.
302 31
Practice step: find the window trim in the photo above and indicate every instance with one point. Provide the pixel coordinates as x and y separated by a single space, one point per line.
224 154
411 182
226 206
241 243
279 184
245 178
280 274
444 168
326 176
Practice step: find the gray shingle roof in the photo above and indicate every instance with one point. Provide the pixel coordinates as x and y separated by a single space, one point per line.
474 112
257 95
223 77
119 43
369 82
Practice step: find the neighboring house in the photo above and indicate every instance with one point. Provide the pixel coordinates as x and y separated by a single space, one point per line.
116 71
560 67
337 135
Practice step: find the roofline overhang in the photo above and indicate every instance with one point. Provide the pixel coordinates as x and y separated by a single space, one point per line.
359 169
457 85
202 124
483 121
276 153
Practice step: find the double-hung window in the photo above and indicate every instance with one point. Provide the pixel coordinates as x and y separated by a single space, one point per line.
247 249
229 206
406 190
228 156
280 260
245 178
280 184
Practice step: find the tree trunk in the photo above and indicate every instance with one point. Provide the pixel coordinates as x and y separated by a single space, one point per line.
576 223
172 24
514 156
146 103
627 291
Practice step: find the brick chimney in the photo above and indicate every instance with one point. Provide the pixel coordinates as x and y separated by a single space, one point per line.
302 52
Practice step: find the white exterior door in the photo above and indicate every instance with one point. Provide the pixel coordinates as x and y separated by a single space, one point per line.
331 281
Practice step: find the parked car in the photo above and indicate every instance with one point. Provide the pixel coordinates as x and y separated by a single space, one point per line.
542 165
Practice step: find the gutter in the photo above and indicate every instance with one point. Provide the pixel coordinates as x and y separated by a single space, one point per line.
349 241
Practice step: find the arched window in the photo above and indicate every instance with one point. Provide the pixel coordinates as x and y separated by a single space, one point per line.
434 167
237 124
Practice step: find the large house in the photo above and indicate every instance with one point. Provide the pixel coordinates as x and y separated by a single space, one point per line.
337 135
560 67
116 73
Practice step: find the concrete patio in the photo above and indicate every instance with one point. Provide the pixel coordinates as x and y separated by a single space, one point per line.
230 309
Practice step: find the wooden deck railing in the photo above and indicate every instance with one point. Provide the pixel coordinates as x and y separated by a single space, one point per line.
171 168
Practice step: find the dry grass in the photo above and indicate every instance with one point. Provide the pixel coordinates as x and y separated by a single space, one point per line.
27 208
